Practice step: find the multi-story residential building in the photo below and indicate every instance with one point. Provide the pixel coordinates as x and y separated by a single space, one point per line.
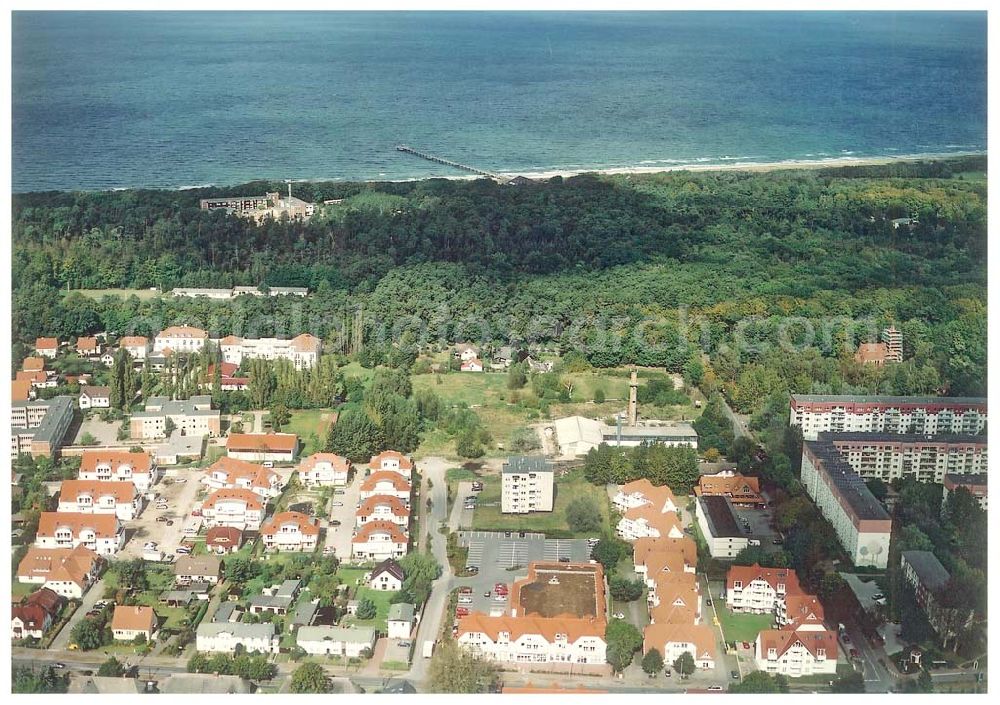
192 417
271 204
236 291
387 576
238 508
803 649
383 508
100 497
232 473
138 346
923 458
526 485
815 413
541 627
290 531
103 534
759 590
675 598
860 521
35 614
263 447
138 469
47 347
335 641
38 427
378 540
95 397
132 621
975 484
186 339
929 579
640 493
394 461
223 637
66 571
302 350
386 482
647 521
324 470
653 557
672 640
719 526
742 491
88 347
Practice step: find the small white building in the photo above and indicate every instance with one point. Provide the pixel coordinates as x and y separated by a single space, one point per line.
387 576
335 641
95 397
223 637
401 620
719 527
378 540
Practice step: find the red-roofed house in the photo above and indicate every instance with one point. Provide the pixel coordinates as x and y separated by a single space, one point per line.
33 364
131 621
88 347
872 354
138 346
35 614
47 347
101 533
21 390
759 590
231 473
383 508
180 339
263 447
378 540
119 466
324 470
391 460
66 571
238 508
672 640
290 531
473 365
100 497
742 491
795 652
223 539
386 482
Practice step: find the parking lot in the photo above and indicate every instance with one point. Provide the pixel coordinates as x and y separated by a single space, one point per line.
339 537
105 432
760 527
180 490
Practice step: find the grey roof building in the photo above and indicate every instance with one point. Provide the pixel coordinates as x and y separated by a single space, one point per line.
401 612
927 568
304 613
520 464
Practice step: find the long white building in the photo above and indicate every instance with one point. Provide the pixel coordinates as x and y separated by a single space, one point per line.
303 350
922 458
816 413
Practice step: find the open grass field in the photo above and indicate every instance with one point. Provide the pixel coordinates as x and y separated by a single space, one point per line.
741 627
569 487
469 388
141 294
311 425
381 599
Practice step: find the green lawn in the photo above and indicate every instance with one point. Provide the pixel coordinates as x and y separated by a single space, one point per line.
311 425
141 294
741 627
469 388
381 599
567 489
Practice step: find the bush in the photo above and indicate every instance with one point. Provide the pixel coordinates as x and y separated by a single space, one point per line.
582 514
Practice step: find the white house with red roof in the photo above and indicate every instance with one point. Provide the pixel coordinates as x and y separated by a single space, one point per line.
103 534
383 508
392 460
324 470
473 365
290 531
66 571
100 497
180 339
239 508
138 346
119 466
386 482
759 590
378 540
232 473
797 650
47 347
302 350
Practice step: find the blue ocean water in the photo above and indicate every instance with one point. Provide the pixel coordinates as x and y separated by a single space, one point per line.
105 100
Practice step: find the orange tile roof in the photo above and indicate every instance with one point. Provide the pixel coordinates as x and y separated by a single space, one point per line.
20 390
236 469
307 525
123 492
656 636
372 527
673 613
46 343
395 505
33 376
872 353
749 573
398 482
141 463
804 609
667 563
252 500
547 627
182 332
306 343
653 551
661 521
264 442
404 462
657 495
223 536
86 344
134 341
231 340
133 618
736 485
58 564
103 525
33 364
781 640
338 462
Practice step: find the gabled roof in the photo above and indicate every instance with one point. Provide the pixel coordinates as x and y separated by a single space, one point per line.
654 551
772 576
399 482
659 520
46 343
123 492
781 640
47 599
394 503
197 565
380 527
103 525
656 636
86 344
33 364
930 572
134 341
656 495
401 612
338 462
133 618
306 525
389 566
306 343
182 332
141 463
234 493
223 536
804 609
58 564
235 469
263 442
96 392
726 483
404 462
20 390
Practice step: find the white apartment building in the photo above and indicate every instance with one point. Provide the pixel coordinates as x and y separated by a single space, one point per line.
192 417
290 531
303 350
232 473
94 497
138 346
186 339
922 458
861 523
324 470
383 508
65 571
804 651
816 413
386 482
103 534
392 460
534 639
335 641
526 485
138 469
759 590
223 637
379 540
238 508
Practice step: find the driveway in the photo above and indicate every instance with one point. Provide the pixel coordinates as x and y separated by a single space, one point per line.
90 598
461 518
339 537
181 498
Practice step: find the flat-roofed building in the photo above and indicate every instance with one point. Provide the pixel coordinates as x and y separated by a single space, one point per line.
39 427
526 485
719 526
925 458
668 433
815 413
860 521
192 417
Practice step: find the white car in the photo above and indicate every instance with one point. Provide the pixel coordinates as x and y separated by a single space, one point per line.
338 504
465 600
619 615
183 550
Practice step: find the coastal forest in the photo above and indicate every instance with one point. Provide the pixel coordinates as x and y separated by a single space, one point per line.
752 284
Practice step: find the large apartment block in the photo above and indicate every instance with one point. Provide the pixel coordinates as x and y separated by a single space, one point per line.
526 485
861 523
923 458
816 413
302 350
39 427
192 417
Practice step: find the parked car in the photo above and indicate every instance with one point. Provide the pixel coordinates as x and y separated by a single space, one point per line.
465 590
735 675
715 688
472 569
564 559
506 534
161 518
196 512
183 550
500 597
846 638
462 612
340 491
709 602
338 504
268 463
180 480
777 542
405 644
470 506
619 615
667 672
59 664
465 600
854 653
487 593
170 522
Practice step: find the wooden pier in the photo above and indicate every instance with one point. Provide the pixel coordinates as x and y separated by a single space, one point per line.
448 162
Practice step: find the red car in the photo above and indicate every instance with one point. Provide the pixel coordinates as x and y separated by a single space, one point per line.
854 653
465 591
462 612
499 586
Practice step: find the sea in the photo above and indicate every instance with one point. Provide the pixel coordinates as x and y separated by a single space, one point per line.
106 100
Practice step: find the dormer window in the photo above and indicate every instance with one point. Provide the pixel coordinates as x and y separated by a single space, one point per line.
738 585
821 653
